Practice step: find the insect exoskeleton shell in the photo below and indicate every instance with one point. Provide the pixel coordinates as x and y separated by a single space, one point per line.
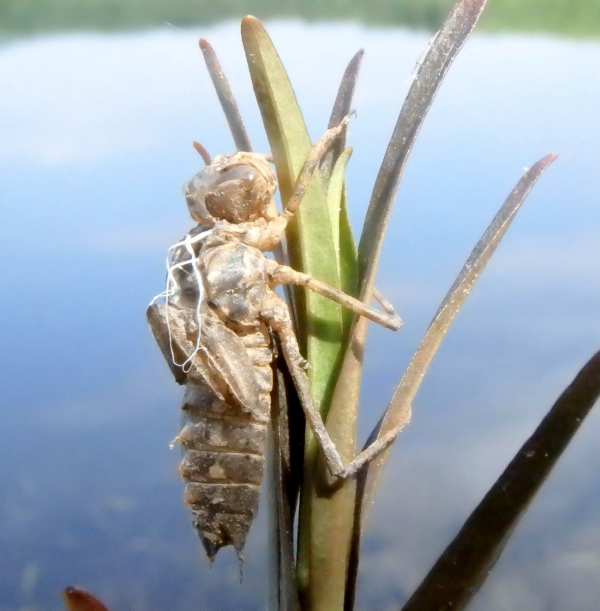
236 188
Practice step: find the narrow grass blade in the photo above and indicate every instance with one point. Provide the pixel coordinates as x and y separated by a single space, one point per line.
467 561
344 404
348 260
330 529
79 600
427 79
398 413
341 107
228 103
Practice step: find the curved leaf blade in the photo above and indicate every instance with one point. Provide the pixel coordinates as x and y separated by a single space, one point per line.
428 77
310 243
398 413
329 504
332 500
335 195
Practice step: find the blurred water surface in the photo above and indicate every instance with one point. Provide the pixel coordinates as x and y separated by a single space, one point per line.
95 143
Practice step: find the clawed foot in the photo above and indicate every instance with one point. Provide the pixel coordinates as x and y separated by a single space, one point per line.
303 364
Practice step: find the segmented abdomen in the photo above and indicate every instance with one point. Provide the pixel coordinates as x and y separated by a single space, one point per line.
224 450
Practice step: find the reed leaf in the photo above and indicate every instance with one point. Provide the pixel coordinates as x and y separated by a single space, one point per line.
398 413
310 243
324 530
330 529
335 195
427 79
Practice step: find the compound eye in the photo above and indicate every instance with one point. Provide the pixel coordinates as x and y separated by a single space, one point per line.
245 174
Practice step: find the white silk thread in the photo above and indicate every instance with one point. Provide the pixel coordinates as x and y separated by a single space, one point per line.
172 288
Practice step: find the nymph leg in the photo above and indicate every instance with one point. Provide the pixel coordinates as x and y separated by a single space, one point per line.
282 274
276 314
268 239
317 151
383 302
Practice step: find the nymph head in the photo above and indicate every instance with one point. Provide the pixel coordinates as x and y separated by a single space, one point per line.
236 188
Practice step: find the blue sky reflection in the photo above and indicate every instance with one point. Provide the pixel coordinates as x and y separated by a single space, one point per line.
95 143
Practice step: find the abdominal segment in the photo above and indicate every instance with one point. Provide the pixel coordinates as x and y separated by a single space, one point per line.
224 448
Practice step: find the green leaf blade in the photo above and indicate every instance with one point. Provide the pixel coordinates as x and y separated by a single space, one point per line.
310 242
332 500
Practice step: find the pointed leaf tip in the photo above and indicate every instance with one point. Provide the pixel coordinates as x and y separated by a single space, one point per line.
544 162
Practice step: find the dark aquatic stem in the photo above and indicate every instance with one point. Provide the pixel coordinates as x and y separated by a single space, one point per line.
285 475
463 567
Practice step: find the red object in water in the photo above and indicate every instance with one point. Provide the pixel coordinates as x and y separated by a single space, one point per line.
80 600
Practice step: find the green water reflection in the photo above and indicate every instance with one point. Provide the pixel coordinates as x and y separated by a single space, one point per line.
567 17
